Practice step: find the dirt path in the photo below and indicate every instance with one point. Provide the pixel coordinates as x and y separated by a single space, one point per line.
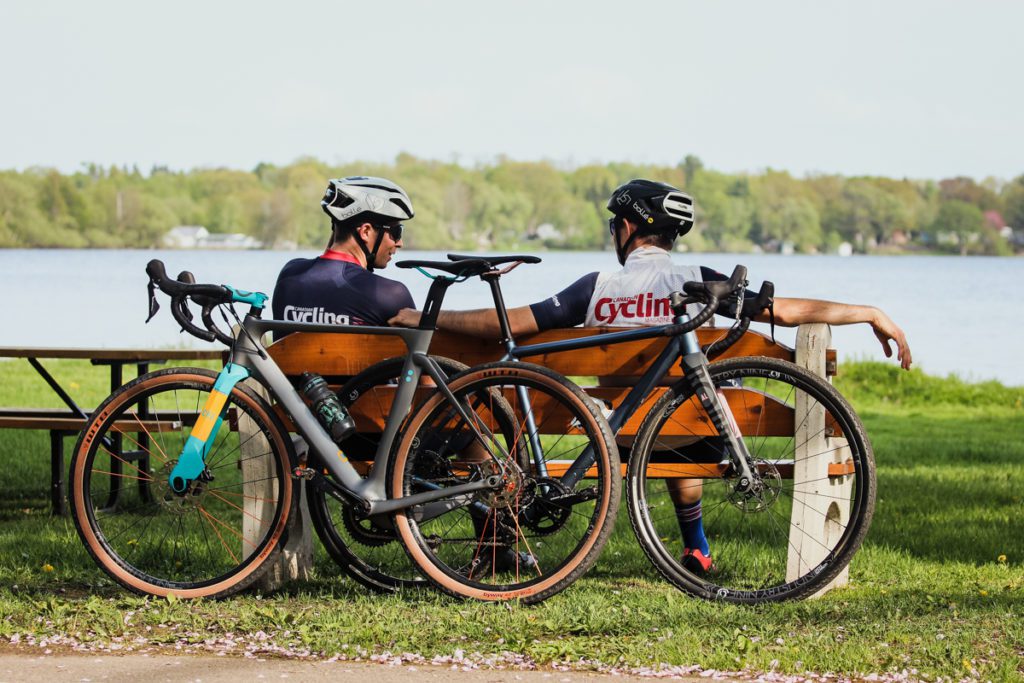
17 667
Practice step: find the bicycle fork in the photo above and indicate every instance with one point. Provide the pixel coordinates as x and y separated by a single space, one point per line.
192 460
695 372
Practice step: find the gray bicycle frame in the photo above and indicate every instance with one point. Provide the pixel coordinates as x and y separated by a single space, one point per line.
371 491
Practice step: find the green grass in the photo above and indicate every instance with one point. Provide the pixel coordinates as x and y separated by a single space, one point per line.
937 588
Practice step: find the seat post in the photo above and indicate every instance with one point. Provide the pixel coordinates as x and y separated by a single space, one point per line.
432 305
492 278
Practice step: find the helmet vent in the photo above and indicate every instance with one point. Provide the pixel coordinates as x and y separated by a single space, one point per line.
678 206
375 187
402 205
340 200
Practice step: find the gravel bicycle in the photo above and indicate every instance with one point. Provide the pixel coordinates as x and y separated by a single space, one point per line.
453 479
787 470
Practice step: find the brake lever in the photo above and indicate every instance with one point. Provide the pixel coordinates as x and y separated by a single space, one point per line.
154 305
740 293
189 279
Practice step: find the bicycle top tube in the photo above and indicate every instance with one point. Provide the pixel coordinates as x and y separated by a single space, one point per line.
599 339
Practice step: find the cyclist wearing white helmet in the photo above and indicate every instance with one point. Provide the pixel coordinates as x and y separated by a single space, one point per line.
647 217
339 286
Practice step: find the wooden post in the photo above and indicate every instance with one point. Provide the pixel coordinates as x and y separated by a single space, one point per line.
296 559
821 507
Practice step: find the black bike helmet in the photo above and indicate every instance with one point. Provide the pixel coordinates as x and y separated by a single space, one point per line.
655 208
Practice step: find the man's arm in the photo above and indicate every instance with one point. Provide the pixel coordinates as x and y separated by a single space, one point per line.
481 322
793 312
568 308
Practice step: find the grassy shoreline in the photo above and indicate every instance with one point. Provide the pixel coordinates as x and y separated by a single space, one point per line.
937 591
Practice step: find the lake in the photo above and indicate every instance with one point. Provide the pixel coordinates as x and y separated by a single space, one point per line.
951 308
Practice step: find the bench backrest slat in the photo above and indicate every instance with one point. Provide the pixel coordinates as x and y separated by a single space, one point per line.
347 354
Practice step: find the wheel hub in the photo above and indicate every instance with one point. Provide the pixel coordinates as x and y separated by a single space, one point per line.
512 490
763 491
169 499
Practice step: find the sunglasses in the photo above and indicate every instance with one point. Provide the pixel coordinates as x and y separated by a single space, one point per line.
613 225
394 230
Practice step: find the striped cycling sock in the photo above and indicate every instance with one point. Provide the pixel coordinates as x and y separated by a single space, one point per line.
691 524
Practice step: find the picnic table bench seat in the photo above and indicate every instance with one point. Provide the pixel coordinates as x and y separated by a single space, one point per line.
69 421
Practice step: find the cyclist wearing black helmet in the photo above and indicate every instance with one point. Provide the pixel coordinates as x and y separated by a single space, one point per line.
339 286
647 217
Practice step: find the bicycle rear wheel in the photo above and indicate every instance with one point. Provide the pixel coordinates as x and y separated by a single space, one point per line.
215 539
367 551
542 528
790 538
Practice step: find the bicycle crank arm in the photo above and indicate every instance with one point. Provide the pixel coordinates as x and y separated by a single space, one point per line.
396 504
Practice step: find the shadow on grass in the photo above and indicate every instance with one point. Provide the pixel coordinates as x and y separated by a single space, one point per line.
951 489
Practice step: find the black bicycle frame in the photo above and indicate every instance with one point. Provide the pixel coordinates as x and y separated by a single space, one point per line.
684 348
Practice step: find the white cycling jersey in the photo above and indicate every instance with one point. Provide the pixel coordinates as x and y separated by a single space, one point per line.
637 295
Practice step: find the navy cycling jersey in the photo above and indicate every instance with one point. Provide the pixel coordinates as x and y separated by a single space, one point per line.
636 295
331 291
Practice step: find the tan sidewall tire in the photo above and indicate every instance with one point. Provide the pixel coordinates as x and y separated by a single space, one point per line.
601 527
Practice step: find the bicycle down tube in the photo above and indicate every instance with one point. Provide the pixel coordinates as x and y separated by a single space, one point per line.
684 348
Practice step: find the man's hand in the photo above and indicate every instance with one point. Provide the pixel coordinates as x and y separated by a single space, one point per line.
409 317
885 329
792 312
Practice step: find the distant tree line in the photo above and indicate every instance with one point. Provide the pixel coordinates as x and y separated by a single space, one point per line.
515 205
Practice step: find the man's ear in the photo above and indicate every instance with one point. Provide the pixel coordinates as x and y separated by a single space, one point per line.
629 227
364 232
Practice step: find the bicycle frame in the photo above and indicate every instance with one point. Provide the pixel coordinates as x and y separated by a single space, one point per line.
250 359
685 348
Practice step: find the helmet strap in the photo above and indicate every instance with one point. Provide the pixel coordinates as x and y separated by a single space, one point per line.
622 251
371 256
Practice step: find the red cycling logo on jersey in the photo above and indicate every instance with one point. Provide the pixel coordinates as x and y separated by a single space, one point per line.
609 309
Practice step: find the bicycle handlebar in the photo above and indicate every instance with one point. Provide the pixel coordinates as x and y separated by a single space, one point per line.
708 293
183 288
750 308
174 288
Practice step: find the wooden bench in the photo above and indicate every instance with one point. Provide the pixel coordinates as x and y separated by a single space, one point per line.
61 424
337 357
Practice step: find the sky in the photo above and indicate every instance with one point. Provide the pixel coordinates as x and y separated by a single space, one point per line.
920 89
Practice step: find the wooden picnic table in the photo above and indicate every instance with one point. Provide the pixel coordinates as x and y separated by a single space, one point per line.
62 423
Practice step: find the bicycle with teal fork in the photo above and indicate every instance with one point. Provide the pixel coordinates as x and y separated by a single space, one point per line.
217 471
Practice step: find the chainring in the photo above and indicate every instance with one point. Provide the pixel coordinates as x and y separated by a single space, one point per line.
364 531
544 515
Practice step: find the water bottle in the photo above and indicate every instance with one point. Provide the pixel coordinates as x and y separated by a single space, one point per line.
334 418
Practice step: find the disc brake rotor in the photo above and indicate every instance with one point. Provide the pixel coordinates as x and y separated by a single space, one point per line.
764 494
175 503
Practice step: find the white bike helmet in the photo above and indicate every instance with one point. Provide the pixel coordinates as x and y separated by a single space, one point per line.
363 199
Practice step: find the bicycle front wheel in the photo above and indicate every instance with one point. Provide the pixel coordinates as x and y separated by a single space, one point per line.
211 541
545 523
792 534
